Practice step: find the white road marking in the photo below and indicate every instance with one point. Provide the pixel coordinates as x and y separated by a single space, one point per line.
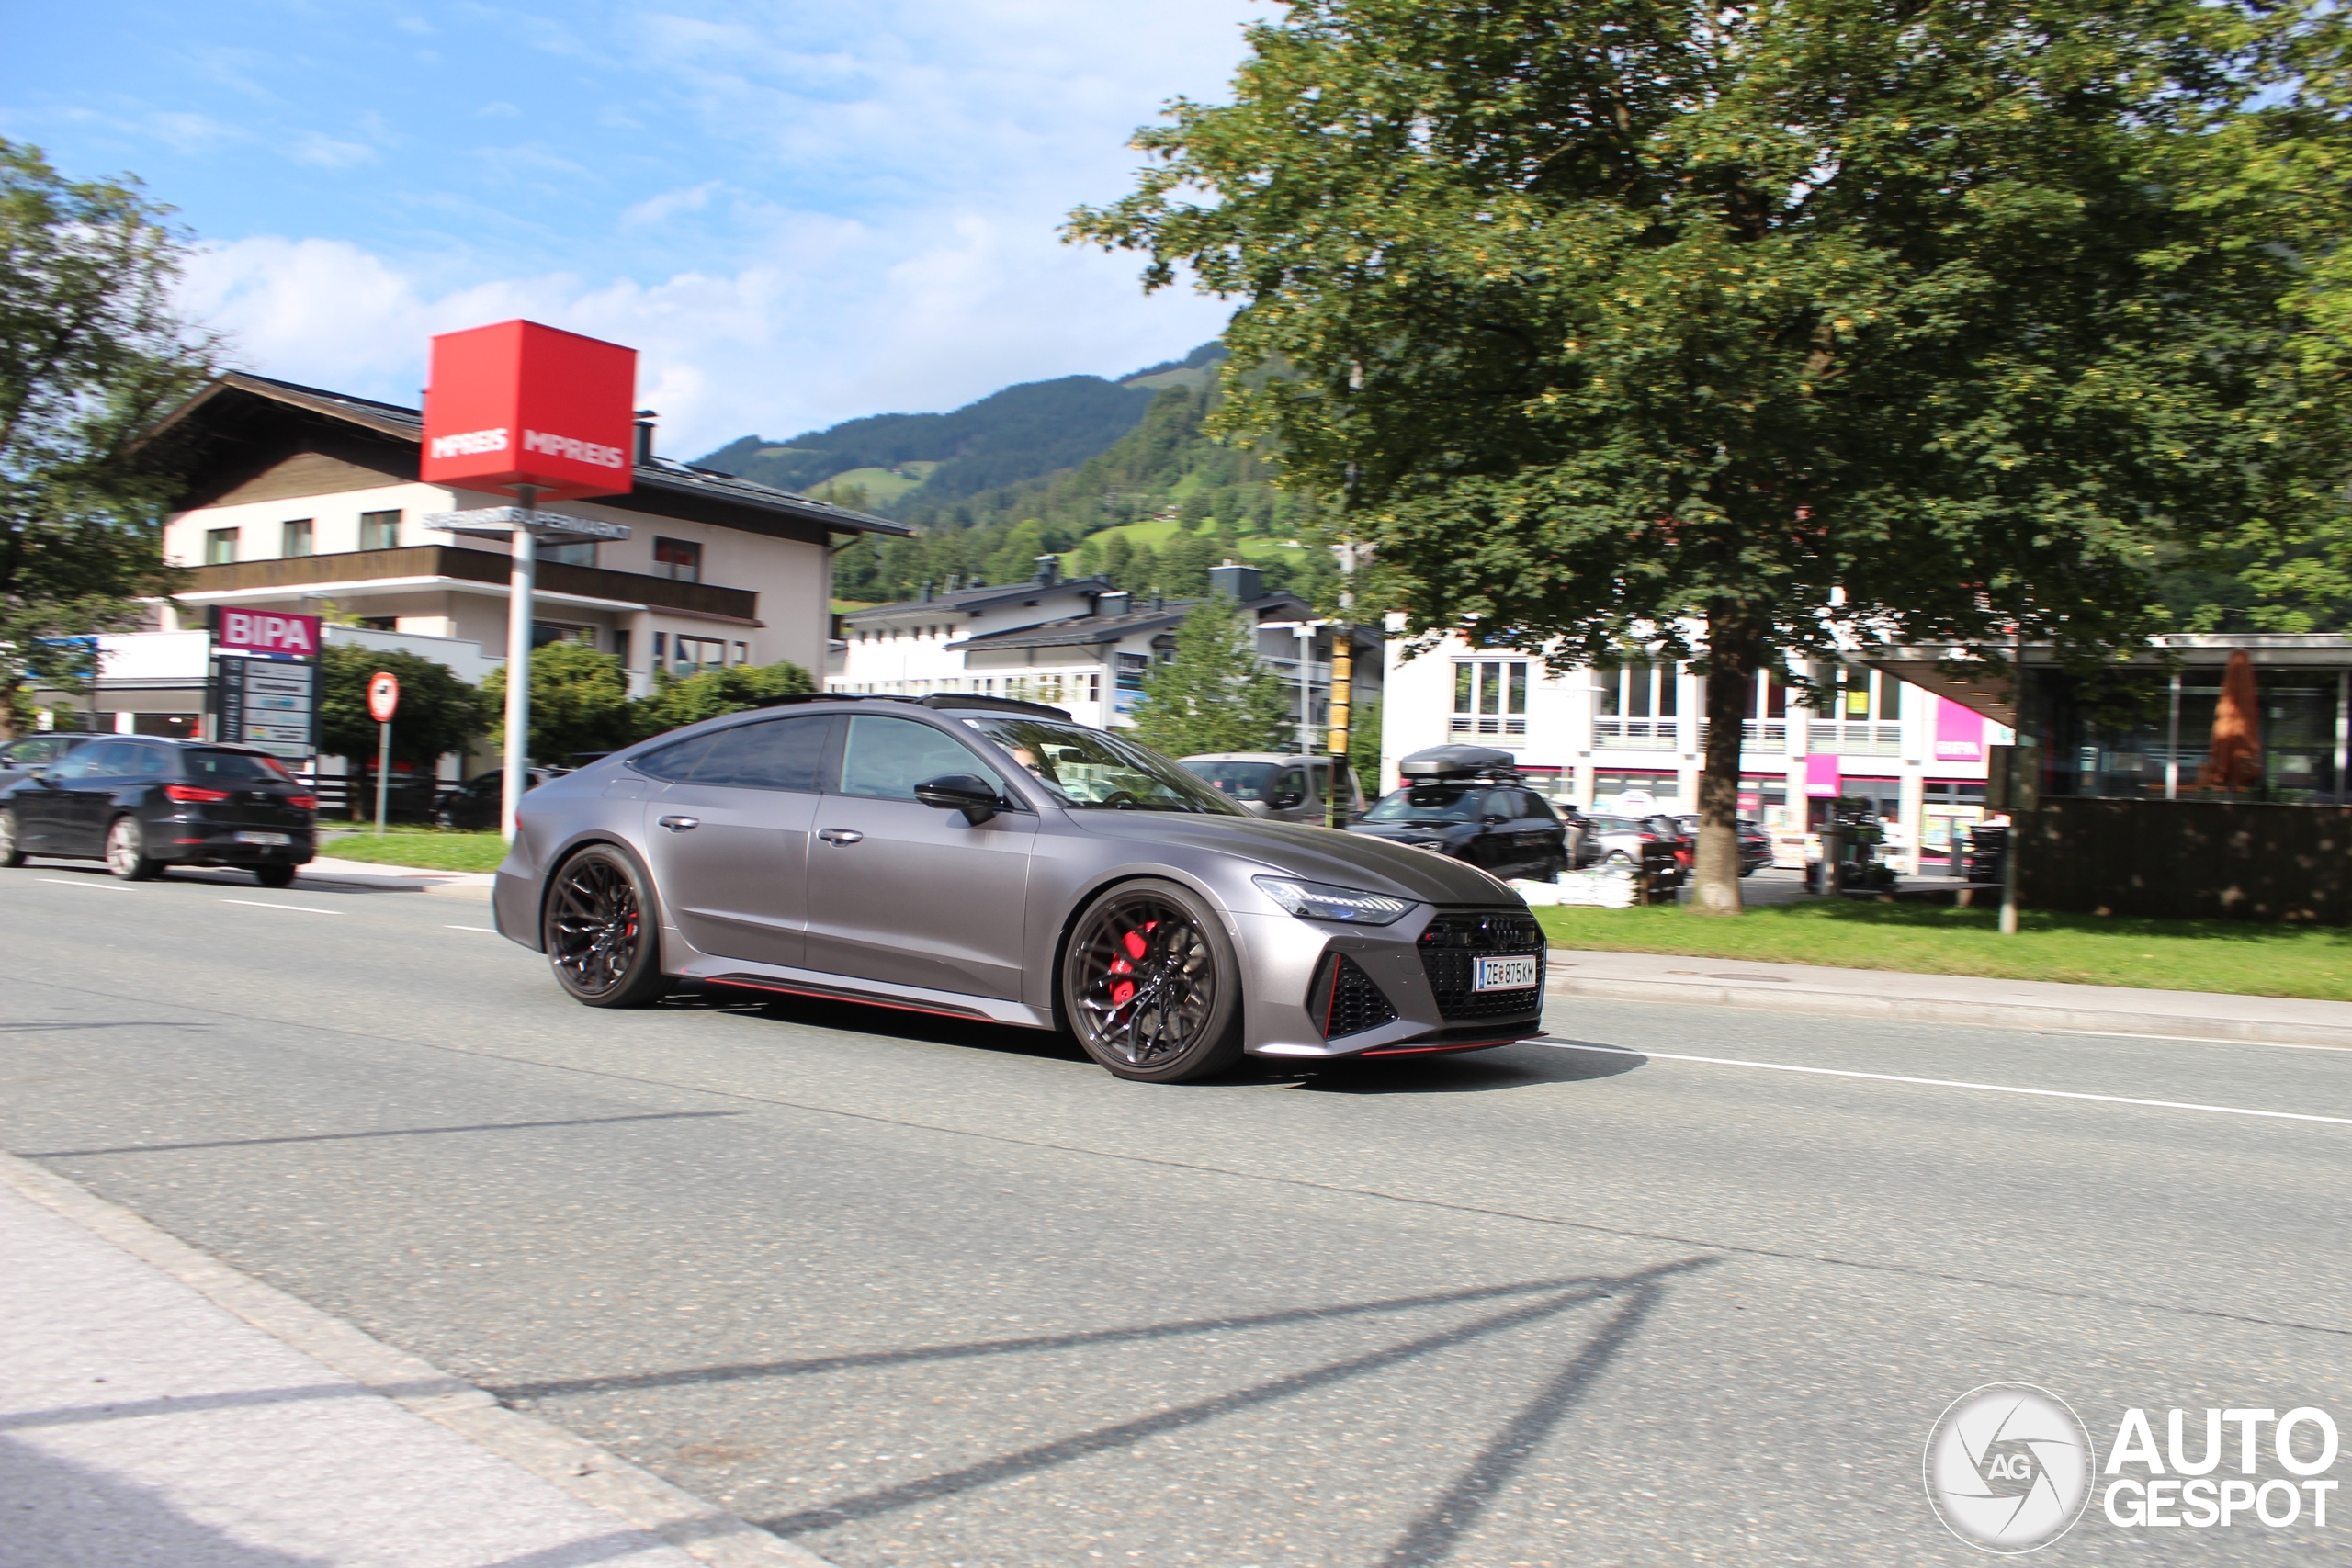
299 908
492 930
83 882
1953 1083
2195 1039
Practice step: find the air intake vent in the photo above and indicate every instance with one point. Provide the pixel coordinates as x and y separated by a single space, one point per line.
1348 1001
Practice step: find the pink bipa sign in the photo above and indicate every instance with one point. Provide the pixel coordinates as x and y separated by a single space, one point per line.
267 634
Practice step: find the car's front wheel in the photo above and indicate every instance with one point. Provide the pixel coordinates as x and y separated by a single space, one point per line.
599 931
12 853
127 851
1150 985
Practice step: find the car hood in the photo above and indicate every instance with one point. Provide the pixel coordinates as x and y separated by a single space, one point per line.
1317 854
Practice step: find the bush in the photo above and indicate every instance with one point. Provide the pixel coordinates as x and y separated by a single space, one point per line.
708 694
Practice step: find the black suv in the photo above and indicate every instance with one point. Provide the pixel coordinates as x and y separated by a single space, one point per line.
1468 802
142 804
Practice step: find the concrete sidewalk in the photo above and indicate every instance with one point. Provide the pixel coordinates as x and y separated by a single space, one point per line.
147 1420
1949 998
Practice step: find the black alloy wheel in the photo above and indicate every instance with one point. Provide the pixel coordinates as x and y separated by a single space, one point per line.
599 931
274 875
1150 986
12 853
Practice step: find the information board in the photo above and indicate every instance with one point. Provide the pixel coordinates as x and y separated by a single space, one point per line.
270 705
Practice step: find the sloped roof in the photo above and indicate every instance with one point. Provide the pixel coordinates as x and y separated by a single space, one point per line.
970 601
1095 630
653 481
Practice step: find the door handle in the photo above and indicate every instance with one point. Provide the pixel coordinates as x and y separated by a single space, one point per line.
840 836
680 824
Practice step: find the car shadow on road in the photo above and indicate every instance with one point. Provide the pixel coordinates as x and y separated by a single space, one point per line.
1510 1067
855 1018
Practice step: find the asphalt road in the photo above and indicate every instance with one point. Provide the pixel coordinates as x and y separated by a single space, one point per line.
916 1293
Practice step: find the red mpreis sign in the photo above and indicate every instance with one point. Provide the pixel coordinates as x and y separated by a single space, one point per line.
269 633
520 405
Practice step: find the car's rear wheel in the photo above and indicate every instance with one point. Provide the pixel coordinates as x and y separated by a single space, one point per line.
1150 985
274 875
127 851
599 931
11 855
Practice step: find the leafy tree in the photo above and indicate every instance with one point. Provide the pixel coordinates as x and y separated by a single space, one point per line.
91 355
1364 746
438 712
580 702
710 692
1214 695
1754 330
1184 565
1016 559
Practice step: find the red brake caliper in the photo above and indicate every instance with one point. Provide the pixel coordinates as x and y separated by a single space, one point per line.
1122 990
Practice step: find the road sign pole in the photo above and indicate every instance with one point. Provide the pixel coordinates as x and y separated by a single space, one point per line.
383 773
520 586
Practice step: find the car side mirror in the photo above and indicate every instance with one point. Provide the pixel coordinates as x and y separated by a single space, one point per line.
1287 799
967 793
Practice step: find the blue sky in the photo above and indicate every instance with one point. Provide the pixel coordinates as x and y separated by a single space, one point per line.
799 212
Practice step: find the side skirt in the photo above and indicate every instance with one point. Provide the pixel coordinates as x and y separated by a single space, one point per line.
819 986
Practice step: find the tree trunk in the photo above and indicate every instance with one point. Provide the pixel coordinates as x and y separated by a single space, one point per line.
1732 658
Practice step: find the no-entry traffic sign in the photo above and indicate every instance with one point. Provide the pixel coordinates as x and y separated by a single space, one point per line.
383 697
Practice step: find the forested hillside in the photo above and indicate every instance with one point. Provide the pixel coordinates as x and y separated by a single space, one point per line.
889 463
1153 514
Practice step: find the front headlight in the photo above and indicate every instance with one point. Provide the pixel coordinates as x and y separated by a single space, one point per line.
1321 901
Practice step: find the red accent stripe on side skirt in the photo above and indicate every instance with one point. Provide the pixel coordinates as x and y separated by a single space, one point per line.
860 998
1444 1050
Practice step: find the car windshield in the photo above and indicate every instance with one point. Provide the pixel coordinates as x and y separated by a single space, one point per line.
234 767
1242 781
1430 803
1089 769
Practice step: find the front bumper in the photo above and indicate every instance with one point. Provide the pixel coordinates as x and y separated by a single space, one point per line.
1291 1007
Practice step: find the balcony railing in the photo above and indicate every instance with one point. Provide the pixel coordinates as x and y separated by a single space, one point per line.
1754 735
296 573
1634 734
1853 738
1501 728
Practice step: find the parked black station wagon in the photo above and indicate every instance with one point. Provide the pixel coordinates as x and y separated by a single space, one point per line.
142 804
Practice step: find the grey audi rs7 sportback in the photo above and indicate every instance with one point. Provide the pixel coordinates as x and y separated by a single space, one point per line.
990 860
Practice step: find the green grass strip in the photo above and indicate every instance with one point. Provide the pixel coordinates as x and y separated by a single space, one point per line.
431 849
2238 957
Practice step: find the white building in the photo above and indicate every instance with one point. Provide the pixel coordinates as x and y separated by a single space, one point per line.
1074 643
1632 738
298 499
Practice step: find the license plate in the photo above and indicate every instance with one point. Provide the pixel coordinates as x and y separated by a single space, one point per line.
1504 973
264 839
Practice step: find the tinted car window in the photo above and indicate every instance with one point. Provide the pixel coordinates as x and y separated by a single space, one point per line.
779 753
232 767
1531 805
40 749
1242 781
888 757
1610 824
1091 769
676 760
1428 803
147 761
106 760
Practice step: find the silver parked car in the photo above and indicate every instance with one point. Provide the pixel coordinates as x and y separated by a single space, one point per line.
990 860
1279 787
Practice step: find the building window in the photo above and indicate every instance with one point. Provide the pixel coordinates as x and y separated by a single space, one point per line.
680 560
379 622
379 530
620 646
1490 696
1638 690
660 649
220 547
582 553
296 537
545 632
696 654
742 654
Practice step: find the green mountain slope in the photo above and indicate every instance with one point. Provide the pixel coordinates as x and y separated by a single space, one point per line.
899 461
1152 513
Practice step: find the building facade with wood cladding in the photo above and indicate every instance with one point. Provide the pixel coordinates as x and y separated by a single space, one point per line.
304 500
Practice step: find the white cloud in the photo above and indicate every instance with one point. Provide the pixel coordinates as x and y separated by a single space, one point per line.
657 210
794 342
329 153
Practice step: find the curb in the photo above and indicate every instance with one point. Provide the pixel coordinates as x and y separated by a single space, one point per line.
1921 1009
570 1464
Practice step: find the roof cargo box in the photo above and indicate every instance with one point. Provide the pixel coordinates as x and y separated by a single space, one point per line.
1458 762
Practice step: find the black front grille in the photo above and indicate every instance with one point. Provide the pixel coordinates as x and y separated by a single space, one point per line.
1452 947
1349 1001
